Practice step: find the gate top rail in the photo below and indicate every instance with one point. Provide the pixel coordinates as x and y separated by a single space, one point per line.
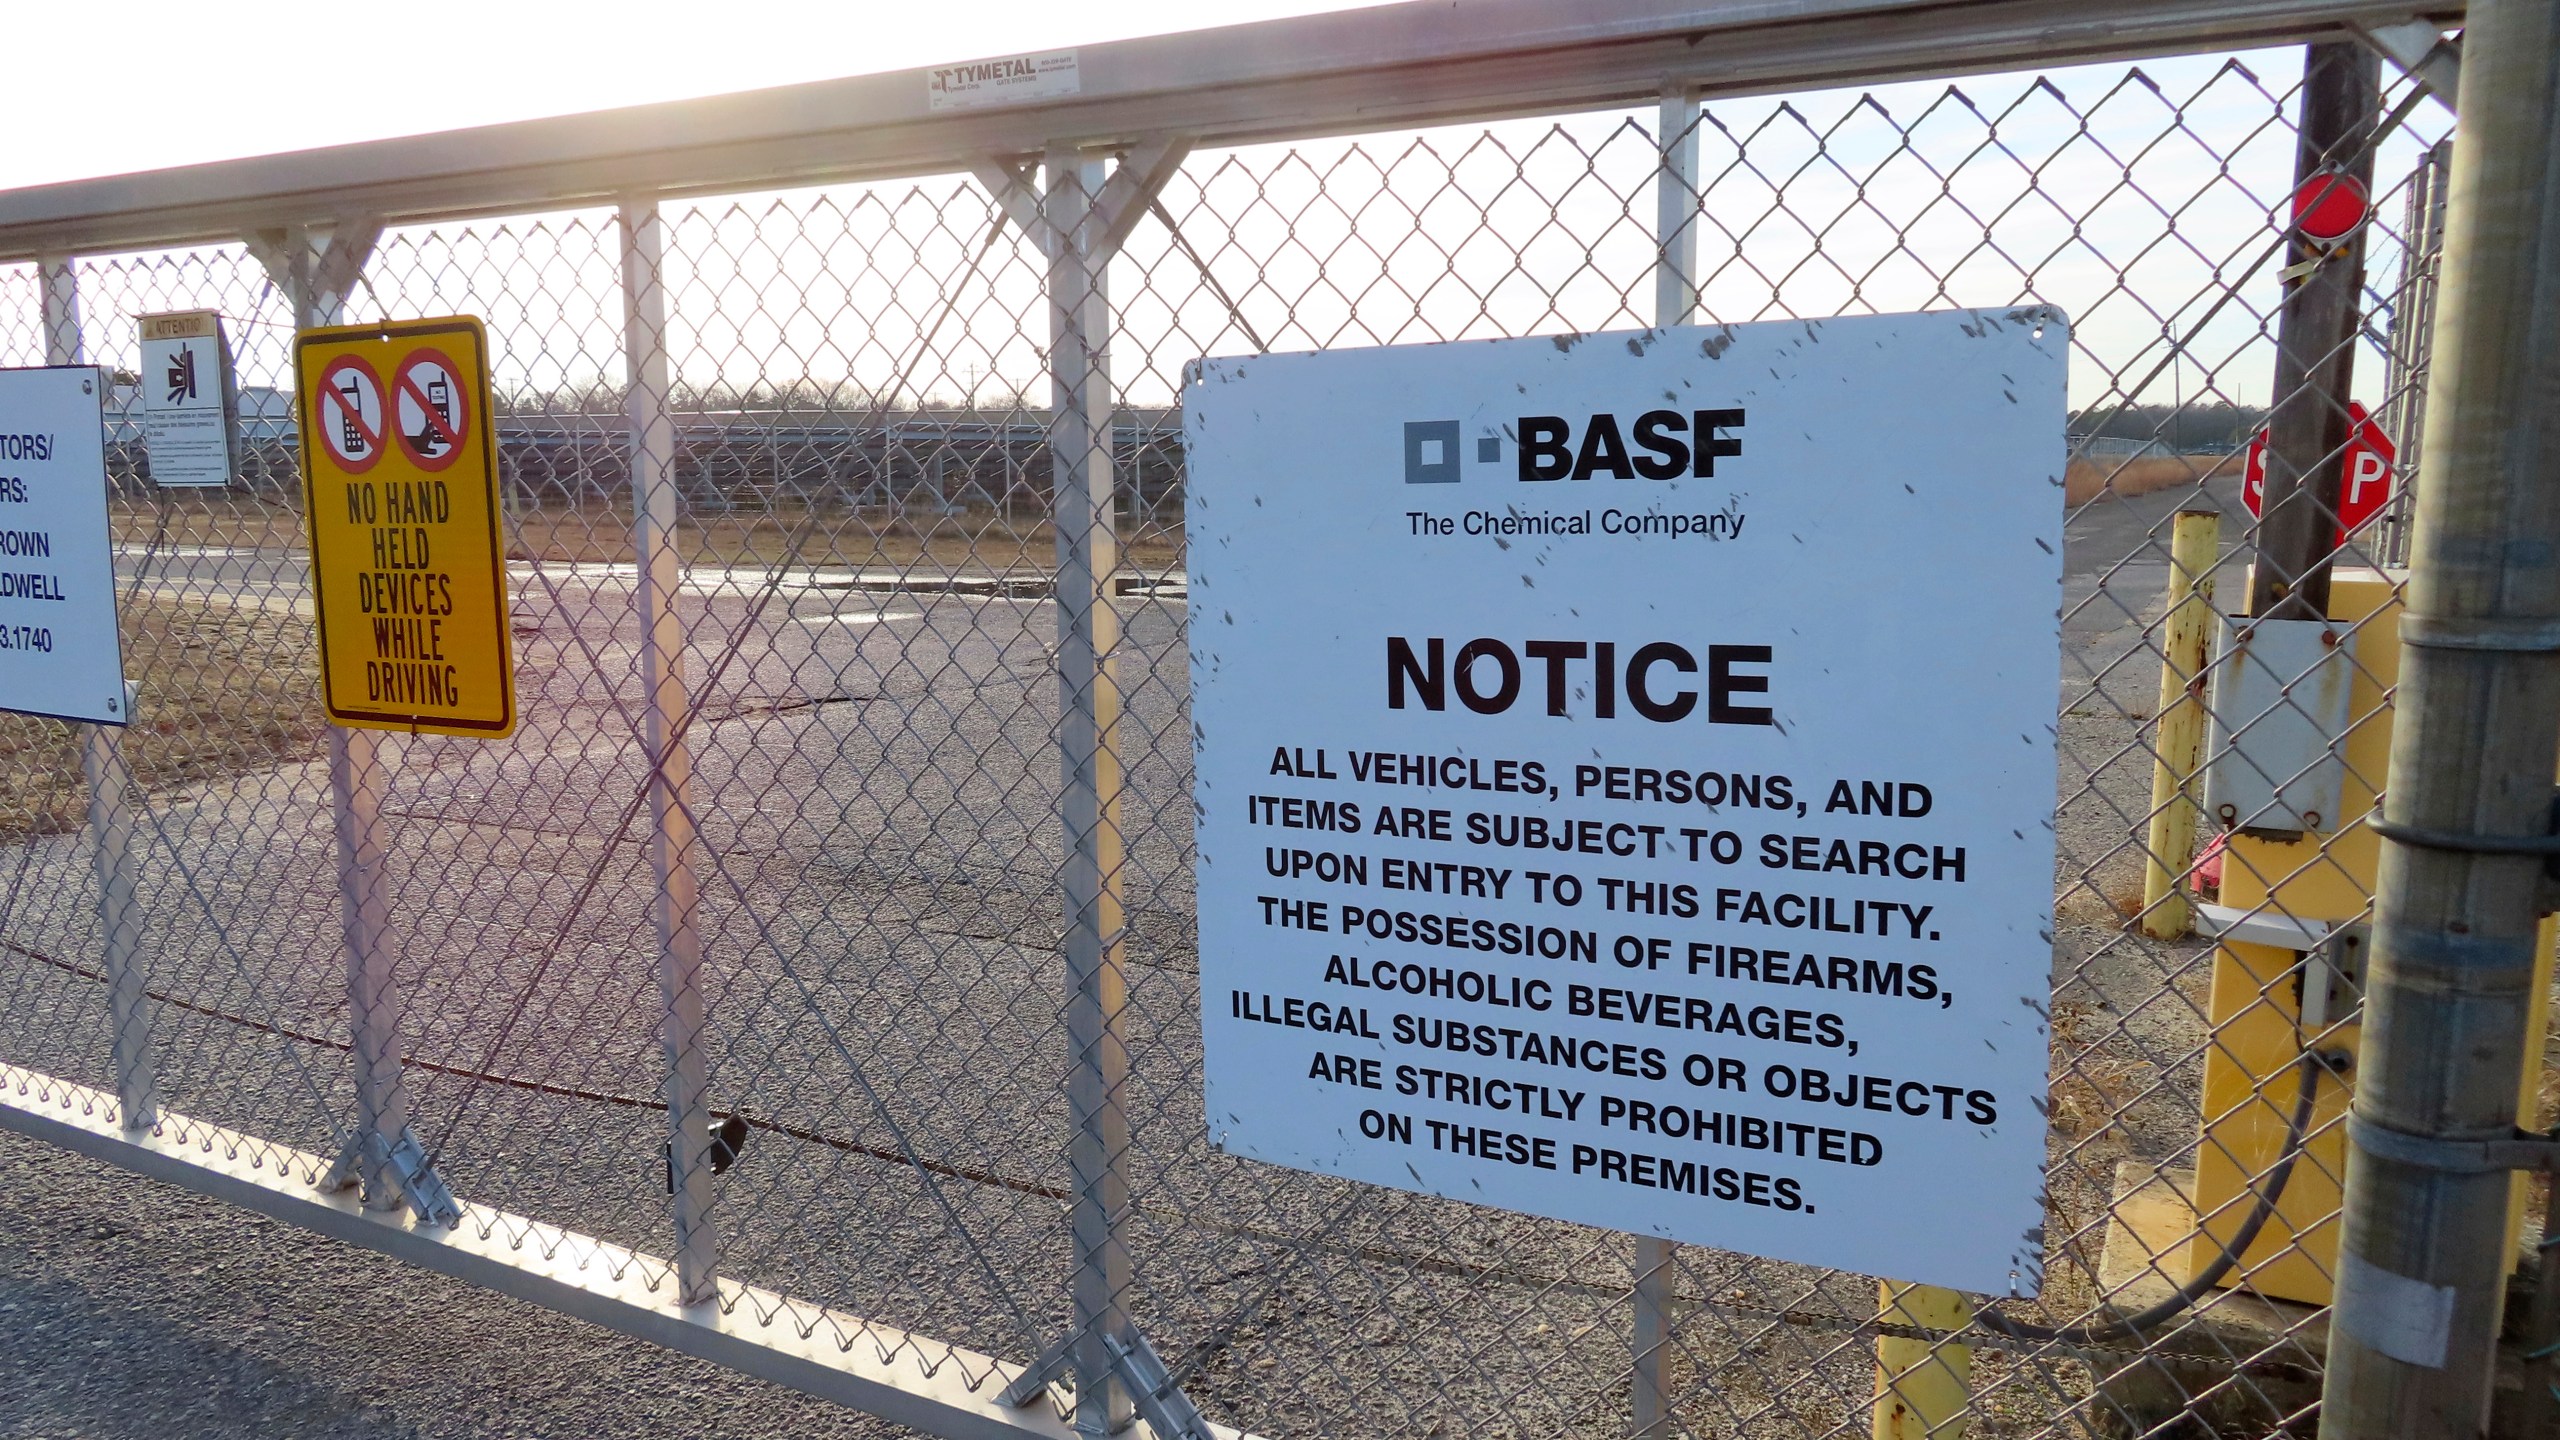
1424 62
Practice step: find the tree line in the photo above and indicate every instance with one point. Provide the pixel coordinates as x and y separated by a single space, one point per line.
2213 427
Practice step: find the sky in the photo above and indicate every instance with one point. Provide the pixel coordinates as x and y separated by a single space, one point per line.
2134 197
175 82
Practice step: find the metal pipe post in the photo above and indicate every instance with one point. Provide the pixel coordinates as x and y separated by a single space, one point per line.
355 796
1924 1387
373 995
2186 633
120 921
2413 323
672 842
2316 336
102 764
1649 1400
1089 739
1675 302
61 301
2423 1253
1675 206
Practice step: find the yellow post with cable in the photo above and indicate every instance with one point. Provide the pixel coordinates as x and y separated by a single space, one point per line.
2257 1011
1924 1387
2256 1006
2186 635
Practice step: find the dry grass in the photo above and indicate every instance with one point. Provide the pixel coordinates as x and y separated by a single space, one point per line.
867 540
2547 1095
2087 480
601 534
206 518
2079 1103
222 692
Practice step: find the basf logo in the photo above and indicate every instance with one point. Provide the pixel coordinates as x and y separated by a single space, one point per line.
1653 445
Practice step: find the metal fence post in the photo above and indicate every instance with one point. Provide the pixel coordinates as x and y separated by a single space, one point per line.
120 920
1089 806
2423 1255
672 857
373 996
1649 1403
2413 323
63 344
1675 302
1675 206
381 1157
102 765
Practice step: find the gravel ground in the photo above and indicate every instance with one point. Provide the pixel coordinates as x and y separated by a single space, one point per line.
134 1309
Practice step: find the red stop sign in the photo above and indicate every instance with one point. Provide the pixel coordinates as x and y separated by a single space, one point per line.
2364 478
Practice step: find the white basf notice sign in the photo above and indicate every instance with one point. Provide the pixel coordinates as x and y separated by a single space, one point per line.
60 653
1625 777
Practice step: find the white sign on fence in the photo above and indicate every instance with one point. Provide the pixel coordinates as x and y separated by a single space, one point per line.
188 403
1625 777
60 653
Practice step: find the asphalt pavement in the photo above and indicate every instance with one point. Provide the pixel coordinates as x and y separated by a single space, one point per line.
131 1310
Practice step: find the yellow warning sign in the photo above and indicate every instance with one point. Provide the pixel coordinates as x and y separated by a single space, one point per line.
400 491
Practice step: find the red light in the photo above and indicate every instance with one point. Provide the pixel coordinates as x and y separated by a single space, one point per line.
2329 207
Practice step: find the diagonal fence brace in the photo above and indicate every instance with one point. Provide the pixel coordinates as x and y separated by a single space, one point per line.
1053 1365
1128 194
323 266
2422 51
1153 1390
430 1199
1154 1394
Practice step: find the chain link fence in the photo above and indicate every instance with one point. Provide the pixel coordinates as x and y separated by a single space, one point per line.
860 403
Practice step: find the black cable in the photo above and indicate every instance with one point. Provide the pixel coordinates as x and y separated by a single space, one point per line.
2297 1130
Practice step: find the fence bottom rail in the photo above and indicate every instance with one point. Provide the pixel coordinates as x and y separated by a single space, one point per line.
886 1372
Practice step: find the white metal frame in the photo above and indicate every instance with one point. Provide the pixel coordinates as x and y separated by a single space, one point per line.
1425 62
1150 101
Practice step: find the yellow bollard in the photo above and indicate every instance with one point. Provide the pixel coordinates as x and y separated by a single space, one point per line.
1923 1387
2186 631
2250 1071
2251 1077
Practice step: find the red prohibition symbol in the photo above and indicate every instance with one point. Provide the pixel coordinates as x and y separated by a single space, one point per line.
432 416
350 417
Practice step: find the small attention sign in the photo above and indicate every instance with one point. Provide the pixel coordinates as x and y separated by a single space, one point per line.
190 407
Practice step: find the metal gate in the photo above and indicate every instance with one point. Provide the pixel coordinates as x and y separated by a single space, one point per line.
810 983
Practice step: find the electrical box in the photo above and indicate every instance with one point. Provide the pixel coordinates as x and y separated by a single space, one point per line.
2279 717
